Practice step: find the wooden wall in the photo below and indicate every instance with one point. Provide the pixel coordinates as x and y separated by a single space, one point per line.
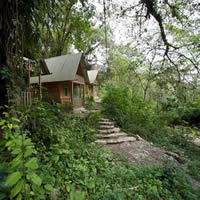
56 90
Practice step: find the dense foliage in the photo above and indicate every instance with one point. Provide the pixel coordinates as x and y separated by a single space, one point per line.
58 158
156 122
131 113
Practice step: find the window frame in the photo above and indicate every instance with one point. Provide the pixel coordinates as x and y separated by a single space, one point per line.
66 92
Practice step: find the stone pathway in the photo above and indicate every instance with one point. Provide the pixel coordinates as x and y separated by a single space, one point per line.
134 148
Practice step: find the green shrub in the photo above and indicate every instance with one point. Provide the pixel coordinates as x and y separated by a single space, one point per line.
41 120
68 107
194 169
117 104
89 102
131 113
175 112
20 161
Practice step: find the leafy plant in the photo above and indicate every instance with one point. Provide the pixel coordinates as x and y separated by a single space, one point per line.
89 102
22 164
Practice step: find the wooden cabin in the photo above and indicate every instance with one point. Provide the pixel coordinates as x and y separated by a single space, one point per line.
91 84
66 82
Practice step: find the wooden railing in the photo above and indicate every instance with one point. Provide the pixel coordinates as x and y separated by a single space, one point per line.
27 97
23 98
64 100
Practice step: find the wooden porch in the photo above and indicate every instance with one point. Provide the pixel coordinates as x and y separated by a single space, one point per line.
66 92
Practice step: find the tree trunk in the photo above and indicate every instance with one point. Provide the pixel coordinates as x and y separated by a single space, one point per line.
6 16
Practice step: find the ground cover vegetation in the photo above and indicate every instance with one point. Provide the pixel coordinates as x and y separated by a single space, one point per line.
58 159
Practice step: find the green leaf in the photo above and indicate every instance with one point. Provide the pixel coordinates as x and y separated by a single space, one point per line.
28 152
68 188
10 126
17 150
13 178
28 142
19 197
10 143
6 114
35 179
2 122
48 187
15 119
55 158
3 127
16 161
16 189
32 163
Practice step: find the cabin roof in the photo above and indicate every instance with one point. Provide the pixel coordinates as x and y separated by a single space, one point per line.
92 75
62 68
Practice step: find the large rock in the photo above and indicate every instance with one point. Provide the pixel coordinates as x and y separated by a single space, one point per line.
196 141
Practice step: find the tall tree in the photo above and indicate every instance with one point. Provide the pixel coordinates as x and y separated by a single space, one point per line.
16 21
67 23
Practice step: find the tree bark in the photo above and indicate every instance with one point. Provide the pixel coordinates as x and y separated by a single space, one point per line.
6 25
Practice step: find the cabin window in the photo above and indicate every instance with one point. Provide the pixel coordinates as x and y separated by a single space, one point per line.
66 92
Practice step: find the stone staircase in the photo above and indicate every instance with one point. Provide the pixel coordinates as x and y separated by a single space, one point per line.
109 134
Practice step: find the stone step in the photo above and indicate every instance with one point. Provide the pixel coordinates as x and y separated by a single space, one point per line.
106 123
104 120
105 127
115 140
109 131
112 135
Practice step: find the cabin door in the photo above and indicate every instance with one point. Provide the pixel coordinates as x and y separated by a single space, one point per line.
77 96
75 92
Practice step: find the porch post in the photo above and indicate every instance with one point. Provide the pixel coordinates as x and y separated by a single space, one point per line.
72 94
83 95
29 68
29 84
40 87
